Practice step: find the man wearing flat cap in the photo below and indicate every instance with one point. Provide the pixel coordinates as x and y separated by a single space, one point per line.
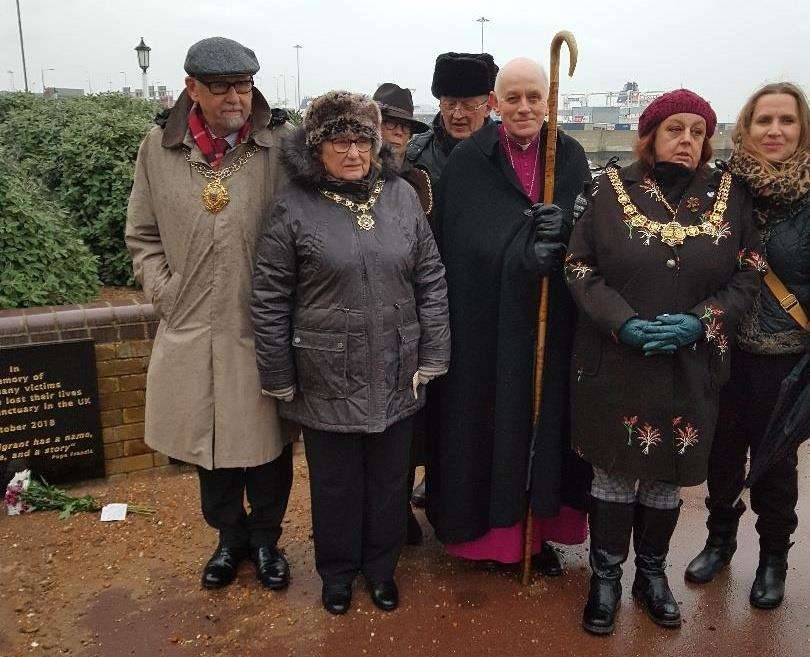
462 83
203 179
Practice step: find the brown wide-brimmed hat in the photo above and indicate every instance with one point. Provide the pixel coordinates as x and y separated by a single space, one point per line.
396 103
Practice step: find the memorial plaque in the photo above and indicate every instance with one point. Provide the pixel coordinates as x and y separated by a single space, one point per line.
49 413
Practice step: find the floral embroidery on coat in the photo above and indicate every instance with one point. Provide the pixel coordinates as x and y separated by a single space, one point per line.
751 260
714 331
648 436
685 436
575 269
630 424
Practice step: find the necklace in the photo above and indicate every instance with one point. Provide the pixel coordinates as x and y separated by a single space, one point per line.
674 233
512 162
652 188
215 195
362 211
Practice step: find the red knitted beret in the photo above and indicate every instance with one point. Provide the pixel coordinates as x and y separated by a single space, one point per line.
676 102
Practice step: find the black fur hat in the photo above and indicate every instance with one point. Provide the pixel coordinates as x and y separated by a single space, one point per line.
463 74
338 112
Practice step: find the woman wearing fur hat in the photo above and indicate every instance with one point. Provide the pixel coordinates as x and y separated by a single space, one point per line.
772 158
351 321
663 264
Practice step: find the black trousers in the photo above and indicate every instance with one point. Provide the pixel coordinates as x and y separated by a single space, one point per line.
358 487
746 403
222 494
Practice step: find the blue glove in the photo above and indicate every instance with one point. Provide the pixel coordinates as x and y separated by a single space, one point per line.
633 332
671 332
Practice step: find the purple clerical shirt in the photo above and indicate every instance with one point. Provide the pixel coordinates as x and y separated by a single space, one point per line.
526 163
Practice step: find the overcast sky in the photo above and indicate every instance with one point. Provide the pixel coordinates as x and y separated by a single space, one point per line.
721 49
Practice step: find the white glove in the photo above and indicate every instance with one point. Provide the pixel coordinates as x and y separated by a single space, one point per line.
425 375
285 394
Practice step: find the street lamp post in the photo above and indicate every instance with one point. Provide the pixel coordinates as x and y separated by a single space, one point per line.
11 80
284 80
143 61
298 84
22 47
482 20
42 71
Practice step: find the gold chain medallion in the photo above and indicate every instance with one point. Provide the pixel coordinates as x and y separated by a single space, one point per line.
215 195
362 211
674 233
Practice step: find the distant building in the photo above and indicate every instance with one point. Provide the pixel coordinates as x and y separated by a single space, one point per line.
57 93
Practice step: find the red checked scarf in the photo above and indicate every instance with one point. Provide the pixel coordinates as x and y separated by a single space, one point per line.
213 148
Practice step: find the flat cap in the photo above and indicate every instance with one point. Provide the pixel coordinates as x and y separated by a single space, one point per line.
220 56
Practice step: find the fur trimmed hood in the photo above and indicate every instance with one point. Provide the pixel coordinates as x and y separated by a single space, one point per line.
305 170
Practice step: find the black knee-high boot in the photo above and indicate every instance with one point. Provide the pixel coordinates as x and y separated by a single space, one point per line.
652 531
611 524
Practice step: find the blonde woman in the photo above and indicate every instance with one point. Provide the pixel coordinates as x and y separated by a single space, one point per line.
772 158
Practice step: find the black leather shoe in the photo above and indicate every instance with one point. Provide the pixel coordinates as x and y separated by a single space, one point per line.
336 598
768 589
222 566
414 536
418 496
272 569
711 560
548 561
384 594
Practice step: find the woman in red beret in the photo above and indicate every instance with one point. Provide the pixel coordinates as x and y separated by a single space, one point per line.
663 263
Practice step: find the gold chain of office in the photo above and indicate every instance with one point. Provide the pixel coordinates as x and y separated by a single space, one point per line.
215 195
362 211
673 233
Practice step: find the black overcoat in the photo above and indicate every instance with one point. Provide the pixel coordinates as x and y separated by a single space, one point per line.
479 452
654 417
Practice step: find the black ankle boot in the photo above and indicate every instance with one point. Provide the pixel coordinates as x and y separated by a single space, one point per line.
336 597
652 531
768 589
548 561
720 545
715 556
610 524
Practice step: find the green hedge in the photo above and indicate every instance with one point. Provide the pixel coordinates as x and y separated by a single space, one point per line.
83 150
43 259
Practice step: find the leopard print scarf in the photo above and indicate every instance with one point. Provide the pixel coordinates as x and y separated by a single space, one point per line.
777 189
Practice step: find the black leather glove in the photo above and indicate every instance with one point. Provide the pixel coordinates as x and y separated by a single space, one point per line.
549 256
550 223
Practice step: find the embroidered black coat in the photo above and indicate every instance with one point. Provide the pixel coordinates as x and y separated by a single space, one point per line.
654 417
481 427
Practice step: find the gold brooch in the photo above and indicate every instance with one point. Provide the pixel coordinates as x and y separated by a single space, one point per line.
693 203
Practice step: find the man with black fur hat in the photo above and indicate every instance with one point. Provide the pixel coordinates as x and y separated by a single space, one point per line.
203 180
462 83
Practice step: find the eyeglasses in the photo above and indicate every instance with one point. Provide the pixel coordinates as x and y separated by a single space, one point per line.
343 145
220 88
465 108
393 125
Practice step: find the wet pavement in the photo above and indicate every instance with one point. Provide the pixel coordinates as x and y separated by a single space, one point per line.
79 587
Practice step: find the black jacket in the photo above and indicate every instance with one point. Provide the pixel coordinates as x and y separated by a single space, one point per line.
654 417
346 314
479 452
769 329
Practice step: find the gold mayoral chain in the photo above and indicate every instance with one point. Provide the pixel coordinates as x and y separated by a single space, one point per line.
674 233
215 195
360 210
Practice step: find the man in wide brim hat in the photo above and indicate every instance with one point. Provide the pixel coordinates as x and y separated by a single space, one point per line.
396 105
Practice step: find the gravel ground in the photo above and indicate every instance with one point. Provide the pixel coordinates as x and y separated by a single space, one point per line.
85 588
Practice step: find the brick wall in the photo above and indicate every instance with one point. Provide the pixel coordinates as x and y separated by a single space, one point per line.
123 331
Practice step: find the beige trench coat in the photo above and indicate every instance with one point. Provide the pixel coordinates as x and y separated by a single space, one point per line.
203 398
